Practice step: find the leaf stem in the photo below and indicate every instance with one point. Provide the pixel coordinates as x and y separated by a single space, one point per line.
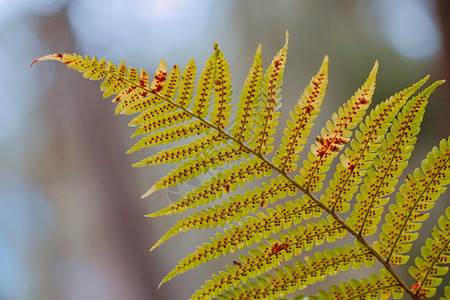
384 262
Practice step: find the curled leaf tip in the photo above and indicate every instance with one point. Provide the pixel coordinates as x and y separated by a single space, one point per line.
35 61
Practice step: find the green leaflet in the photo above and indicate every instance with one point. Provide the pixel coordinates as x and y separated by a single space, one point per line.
186 89
292 278
376 287
435 256
170 135
205 87
252 230
416 197
195 167
302 120
133 93
265 119
134 99
266 257
237 207
359 157
182 152
248 100
220 114
162 122
152 113
223 183
391 160
166 114
335 135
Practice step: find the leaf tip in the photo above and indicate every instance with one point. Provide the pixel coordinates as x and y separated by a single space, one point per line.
149 192
35 61
55 56
375 66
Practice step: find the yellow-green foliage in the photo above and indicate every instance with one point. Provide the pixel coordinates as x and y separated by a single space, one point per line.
171 107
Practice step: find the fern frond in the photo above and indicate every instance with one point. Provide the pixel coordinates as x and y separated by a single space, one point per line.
170 116
252 230
205 87
220 114
267 114
236 208
376 287
167 111
182 152
184 97
292 278
416 197
389 164
266 257
186 90
435 255
359 157
152 113
135 98
248 100
162 122
335 135
202 164
223 183
170 135
302 120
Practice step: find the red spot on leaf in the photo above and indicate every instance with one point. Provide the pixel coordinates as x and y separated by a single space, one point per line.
236 263
415 286
277 248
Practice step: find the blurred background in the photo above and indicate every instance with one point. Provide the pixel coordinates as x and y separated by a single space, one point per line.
72 222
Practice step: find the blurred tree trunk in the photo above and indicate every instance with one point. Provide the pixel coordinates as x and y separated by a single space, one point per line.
100 218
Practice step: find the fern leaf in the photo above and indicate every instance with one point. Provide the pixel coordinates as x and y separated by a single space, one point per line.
359 157
220 114
296 277
152 113
133 93
265 119
335 135
415 197
182 152
252 230
236 208
248 100
185 92
202 164
205 87
302 120
171 134
186 89
391 160
435 255
168 111
131 99
266 257
162 122
170 116
223 183
375 287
